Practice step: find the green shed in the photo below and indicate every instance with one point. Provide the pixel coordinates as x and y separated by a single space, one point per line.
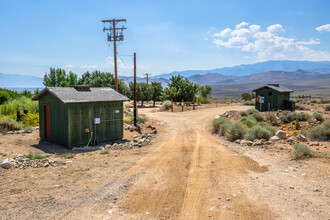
78 115
272 97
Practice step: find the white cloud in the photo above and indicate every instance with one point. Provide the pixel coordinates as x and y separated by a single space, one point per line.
322 28
89 67
254 28
275 29
68 66
224 33
269 44
241 25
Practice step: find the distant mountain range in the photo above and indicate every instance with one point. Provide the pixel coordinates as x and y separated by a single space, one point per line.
246 69
228 81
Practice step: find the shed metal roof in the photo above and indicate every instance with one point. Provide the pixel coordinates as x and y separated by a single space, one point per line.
275 87
83 94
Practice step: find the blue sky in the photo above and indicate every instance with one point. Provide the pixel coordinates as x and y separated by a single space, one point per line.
166 35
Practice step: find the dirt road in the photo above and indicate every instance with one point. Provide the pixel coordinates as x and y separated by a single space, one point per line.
187 173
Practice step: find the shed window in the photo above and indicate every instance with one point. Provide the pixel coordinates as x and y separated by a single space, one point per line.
270 93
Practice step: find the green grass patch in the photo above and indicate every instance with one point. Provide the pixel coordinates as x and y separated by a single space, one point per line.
36 156
104 152
130 120
2 154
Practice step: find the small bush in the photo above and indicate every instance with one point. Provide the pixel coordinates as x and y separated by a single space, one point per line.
243 113
235 131
220 125
248 102
327 107
36 156
271 118
287 116
258 116
201 100
8 124
104 152
320 132
30 119
251 111
303 116
318 116
249 121
297 124
270 128
130 120
300 107
258 132
301 151
166 105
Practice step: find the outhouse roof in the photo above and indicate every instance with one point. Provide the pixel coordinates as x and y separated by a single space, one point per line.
79 94
275 87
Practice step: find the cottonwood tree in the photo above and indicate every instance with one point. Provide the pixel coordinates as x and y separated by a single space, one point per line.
157 90
180 89
144 92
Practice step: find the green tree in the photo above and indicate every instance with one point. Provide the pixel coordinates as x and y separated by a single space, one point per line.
157 90
143 92
50 79
247 96
180 89
205 90
71 79
102 79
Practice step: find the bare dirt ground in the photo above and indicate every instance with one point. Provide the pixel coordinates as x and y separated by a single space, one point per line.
187 173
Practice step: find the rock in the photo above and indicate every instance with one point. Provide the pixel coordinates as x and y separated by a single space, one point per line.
154 131
227 199
274 139
291 187
102 148
249 143
281 134
237 141
243 142
290 140
7 164
315 144
301 137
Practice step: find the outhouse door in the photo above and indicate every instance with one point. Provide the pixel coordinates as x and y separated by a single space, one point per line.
46 109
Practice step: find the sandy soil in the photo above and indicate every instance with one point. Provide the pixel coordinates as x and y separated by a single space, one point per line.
186 173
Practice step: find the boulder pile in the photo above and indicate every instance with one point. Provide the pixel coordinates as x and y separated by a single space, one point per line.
21 162
138 141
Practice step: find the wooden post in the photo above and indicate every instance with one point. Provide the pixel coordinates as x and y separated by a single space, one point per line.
182 103
135 107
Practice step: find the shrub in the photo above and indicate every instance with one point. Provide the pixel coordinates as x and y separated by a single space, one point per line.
300 107
320 132
258 132
219 124
248 102
249 121
21 104
8 124
327 107
30 119
130 120
301 151
271 118
201 100
235 131
258 116
318 116
303 116
287 116
297 124
251 111
270 128
166 105
243 113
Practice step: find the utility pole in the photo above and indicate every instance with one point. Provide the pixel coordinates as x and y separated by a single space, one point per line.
114 36
147 74
134 108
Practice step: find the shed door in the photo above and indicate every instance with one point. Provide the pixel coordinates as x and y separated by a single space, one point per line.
47 121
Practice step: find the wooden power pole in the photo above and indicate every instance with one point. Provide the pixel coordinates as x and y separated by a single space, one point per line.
134 108
147 74
114 36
